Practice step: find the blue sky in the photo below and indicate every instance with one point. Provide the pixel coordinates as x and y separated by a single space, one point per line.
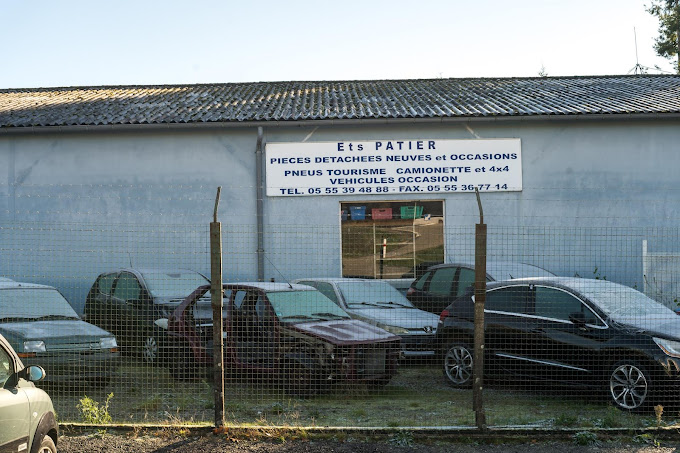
86 43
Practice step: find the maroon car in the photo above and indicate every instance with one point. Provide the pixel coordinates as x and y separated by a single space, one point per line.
292 334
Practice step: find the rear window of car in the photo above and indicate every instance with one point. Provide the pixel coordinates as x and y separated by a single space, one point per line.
441 281
105 283
420 283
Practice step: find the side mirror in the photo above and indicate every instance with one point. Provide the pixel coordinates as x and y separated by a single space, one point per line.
33 373
578 319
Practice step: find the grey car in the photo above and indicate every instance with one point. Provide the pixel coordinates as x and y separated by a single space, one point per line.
135 304
380 304
44 329
27 418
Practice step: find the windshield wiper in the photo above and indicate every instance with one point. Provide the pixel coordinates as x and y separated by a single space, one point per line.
14 319
297 317
370 304
395 303
53 317
329 315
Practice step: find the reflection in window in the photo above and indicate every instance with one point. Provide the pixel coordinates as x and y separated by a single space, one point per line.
390 239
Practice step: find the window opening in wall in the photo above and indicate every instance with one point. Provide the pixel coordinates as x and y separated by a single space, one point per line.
391 239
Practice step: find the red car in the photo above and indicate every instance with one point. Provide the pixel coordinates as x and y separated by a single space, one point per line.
290 333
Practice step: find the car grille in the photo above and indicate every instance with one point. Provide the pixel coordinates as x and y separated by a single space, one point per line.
370 361
82 347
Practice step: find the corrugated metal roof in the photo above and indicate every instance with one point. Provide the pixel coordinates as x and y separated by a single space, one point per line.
331 100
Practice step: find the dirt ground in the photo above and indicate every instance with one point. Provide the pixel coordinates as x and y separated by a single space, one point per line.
157 443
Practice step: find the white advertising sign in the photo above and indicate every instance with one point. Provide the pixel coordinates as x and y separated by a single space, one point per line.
393 167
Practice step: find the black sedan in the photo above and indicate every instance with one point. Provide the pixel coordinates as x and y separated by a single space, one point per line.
575 331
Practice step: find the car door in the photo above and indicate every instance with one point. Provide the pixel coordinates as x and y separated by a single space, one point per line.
128 305
568 351
507 329
245 327
14 409
99 308
327 290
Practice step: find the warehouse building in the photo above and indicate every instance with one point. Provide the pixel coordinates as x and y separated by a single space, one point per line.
354 178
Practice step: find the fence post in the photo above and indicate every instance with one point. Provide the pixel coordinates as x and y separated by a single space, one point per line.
217 304
480 299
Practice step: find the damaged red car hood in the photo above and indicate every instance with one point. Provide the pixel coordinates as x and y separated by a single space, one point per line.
345 332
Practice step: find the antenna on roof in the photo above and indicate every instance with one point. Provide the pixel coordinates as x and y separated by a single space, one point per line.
640 69
277 270
638 66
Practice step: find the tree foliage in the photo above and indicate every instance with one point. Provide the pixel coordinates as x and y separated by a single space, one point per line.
667 44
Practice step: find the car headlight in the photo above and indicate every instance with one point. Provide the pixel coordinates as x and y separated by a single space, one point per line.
108 343
393 329
34 346
670 347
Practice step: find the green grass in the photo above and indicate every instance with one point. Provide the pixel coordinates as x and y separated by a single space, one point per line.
417 397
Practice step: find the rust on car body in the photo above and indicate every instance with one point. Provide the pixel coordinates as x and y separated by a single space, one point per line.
278 329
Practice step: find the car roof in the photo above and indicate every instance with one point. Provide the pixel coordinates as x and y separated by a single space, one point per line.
150 270
573 283
336 279
11 284
502 270
270 286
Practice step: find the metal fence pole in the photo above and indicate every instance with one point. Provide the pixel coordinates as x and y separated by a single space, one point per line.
217 303
480 299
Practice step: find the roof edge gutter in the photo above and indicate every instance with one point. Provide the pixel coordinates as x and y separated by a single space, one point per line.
176 127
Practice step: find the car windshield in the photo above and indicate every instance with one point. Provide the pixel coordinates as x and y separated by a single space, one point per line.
372 293
623 303
301 306
22 304
504 271
173 284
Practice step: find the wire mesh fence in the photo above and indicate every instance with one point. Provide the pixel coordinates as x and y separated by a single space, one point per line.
351 324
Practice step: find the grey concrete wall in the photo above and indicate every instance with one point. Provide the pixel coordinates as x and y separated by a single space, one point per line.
73 205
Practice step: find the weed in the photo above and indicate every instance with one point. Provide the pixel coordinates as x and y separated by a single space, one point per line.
658 411
566 420
647 439
93 412
584 438
402 439
613 418
597 275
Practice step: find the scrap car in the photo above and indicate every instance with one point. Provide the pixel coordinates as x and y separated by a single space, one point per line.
289 333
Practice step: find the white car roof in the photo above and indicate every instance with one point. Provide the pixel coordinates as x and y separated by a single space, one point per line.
11 284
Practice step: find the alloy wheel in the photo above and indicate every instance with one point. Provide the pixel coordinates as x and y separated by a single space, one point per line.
458 365
150 350
628 386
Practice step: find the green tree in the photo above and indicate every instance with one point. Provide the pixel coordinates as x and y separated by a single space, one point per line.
667 44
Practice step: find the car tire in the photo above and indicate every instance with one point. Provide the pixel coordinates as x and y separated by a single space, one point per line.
457 365
300 381
629 386
182 366
150 350
46 446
